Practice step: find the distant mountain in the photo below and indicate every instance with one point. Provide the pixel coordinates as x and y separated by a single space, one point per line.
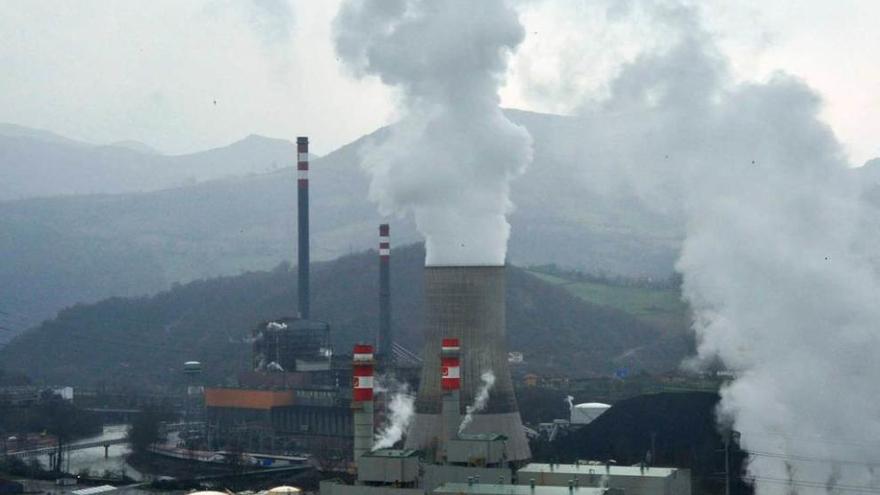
35 163
143 341
13 130
63 250
135 146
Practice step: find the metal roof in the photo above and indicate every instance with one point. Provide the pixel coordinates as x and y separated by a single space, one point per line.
392 453
94 489
496 489
599 469
483 437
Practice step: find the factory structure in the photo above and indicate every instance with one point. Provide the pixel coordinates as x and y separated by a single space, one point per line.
466 434
475 463
290 400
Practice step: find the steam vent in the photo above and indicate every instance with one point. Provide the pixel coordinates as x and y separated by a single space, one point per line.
467 302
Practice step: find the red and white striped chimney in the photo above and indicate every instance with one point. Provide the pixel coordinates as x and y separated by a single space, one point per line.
302 195
450 383
450 365
362 398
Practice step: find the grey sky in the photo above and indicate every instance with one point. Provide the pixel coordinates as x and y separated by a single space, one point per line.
187 75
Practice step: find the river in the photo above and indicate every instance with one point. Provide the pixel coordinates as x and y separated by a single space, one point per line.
93 459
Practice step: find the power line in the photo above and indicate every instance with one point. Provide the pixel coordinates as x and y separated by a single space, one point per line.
806 484
784 436
811 459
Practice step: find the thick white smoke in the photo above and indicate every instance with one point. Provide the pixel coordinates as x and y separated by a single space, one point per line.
401 409
451 157
481 399
772 260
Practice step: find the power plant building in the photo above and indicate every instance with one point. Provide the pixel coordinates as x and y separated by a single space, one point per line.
290 400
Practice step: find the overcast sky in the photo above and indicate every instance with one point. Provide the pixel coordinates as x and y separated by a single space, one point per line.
188 75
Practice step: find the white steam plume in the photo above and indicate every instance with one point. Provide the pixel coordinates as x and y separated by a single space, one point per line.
401 408
451 157
481 399
773 260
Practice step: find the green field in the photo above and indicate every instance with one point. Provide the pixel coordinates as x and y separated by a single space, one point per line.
662 307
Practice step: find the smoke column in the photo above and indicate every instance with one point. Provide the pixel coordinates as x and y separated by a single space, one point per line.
774 262
451 157
401 408
480 400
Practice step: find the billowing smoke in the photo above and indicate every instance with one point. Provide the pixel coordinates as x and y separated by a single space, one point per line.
401 408
773 261
450 158
481 399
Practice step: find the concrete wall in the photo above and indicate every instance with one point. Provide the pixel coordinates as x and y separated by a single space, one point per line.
388 469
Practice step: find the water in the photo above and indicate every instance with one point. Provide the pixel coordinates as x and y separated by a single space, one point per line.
93 458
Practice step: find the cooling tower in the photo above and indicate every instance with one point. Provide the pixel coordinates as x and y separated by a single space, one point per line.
467 302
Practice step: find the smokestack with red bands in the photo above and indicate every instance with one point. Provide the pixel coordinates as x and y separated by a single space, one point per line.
362 398
450 383
302 182
386 343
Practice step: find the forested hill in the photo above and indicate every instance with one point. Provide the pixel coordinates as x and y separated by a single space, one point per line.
144 341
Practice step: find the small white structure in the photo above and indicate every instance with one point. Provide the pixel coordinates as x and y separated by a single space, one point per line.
285 490
584 414
65 393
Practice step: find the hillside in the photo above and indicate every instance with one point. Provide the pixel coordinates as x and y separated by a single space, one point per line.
63 250
144 341
658 304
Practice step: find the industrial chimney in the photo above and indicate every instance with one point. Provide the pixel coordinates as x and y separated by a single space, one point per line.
302 166
385 345
362 398
467 303
450 382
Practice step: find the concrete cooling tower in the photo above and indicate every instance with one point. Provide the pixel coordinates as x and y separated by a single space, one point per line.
467 302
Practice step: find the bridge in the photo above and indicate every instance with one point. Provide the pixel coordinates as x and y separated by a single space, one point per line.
69 448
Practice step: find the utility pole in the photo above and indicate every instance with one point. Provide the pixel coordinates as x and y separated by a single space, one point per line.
730 437
727 463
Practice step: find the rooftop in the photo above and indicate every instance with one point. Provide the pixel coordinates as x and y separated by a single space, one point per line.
584 469
392 453
481 437
496 489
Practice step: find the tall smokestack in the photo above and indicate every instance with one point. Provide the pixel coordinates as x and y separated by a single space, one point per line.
467 303
302 167
362 399
450 383
386 343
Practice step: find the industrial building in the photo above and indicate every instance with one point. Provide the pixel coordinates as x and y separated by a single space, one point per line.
456 457
633 480
290 401
296 396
